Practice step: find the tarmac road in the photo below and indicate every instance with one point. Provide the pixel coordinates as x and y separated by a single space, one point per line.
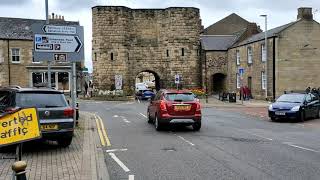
230 145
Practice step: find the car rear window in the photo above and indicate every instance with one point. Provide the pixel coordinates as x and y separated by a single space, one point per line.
40 100
181 97
5 100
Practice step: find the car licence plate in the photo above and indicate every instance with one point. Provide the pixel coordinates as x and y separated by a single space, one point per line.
49 127
280 113
182 108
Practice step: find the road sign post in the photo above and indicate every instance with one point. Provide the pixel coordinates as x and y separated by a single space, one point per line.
241 72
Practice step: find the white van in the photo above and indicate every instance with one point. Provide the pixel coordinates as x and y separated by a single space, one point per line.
141 86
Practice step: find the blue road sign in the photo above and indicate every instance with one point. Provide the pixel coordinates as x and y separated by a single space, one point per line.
241 71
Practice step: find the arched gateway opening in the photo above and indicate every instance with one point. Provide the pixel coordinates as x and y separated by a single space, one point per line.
149 78
218 83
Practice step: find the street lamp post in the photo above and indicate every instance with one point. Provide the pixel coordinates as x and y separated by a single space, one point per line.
266 52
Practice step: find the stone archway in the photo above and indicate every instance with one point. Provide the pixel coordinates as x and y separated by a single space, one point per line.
151 78
218 83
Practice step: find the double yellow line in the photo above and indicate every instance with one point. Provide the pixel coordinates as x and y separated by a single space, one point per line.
102 131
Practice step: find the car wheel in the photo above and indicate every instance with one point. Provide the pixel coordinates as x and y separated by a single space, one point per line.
149 118
157 124
302 116
65 142
196 126
273 118
318 114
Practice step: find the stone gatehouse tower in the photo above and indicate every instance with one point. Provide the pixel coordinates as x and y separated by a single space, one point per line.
128 41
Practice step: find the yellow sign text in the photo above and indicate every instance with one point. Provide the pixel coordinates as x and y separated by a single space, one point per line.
20 126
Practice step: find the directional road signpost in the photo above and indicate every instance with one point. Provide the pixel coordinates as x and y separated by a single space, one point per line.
52 39
59 44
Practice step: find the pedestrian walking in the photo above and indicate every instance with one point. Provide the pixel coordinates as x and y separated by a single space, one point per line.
85 89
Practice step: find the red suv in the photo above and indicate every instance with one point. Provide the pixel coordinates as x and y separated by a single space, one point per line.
175 107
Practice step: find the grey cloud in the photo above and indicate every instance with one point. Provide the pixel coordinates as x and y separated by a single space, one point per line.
13 2
75 5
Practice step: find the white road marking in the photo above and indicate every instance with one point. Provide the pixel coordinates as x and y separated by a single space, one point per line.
260 136
143 115
186 140
125 119
300 147
131 177
124 167
115 116
115 150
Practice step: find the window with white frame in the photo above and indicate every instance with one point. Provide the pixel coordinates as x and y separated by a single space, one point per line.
1 56
263 80
263 53
15 55
238 57
238 81
249 53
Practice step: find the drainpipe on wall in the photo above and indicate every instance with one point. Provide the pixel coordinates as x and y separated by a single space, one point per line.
206 74
274 68
9 71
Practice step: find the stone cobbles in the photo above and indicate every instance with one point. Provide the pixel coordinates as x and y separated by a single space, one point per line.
47 161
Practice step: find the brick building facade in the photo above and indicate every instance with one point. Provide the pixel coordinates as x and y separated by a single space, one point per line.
293 57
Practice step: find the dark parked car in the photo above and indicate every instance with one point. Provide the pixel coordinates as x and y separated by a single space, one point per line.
55 115
145 94
297 106
175 107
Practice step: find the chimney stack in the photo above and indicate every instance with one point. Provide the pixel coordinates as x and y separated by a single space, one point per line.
305 13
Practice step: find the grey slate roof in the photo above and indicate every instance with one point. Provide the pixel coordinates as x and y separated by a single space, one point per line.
17 28
217 42
260 36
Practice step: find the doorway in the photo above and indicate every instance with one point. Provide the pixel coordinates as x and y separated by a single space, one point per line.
218 83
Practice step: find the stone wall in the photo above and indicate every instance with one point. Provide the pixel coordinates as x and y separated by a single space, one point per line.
217 63
298 57
138 40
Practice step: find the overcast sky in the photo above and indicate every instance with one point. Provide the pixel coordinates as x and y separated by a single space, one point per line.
279 11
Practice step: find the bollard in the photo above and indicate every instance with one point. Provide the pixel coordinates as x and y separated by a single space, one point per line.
19 168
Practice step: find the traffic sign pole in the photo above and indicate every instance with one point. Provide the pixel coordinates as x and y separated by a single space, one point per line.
49 63
74 90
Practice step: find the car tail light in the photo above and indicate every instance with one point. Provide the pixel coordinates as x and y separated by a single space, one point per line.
68 112
163 106
198 107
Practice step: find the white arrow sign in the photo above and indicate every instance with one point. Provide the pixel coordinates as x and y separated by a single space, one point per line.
57 43
50 29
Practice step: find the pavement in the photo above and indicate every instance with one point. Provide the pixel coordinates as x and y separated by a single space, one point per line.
230 145
82 160
215 102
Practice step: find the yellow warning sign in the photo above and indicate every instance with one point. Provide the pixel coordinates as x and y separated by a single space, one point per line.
20 126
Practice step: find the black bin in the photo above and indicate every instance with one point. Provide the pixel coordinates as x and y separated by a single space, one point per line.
232 97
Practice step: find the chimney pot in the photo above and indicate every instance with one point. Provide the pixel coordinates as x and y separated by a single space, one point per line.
305 13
